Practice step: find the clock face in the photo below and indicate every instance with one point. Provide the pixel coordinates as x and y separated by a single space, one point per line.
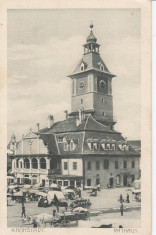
102 85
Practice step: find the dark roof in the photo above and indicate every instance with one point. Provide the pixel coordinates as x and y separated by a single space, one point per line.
50 140
92 61
91 37
69 125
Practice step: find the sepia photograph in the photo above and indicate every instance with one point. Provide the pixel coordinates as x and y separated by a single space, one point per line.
74 118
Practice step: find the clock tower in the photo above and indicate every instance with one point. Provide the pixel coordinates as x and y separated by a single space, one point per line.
92 84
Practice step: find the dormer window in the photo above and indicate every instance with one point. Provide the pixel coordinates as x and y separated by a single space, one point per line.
82 67
102 67
66 146
60 139
72 145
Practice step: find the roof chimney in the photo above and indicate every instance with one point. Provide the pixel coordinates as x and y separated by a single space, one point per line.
50 121
66 112
37 127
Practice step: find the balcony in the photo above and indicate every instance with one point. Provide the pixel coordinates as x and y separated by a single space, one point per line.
45 171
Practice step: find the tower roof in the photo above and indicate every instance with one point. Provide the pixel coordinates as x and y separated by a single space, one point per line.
91 57
13 136
91 37
92 62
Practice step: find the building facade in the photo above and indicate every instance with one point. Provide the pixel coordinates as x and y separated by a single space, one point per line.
84 149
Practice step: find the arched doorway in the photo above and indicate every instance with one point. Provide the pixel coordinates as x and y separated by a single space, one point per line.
43 163
34 163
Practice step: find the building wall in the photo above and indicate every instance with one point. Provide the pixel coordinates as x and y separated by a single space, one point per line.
106 106
87 102
104 175
70 170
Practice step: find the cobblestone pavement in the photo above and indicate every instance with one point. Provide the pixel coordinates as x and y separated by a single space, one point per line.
105 199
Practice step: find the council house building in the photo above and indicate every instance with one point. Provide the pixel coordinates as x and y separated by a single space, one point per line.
84 149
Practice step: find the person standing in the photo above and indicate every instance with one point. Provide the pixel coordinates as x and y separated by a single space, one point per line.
128 198
121 198
121 209
23 210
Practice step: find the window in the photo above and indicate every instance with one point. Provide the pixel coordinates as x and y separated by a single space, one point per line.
60 182
65 146
81 101
97 181
106 164
74 165
20 164
92 146
60 139
34 163
71 145
65 166
65 183
88 182
102 100
78 183
97 146
26 163
102 68
17 163
42 163
97 165
103 113
125 164
133 164
89 166
116 165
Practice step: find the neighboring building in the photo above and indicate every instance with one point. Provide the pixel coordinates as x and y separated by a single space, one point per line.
84 149
136 144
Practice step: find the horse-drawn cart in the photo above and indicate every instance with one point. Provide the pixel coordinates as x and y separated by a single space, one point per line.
69 217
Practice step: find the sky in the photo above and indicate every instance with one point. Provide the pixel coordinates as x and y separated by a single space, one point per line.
45 46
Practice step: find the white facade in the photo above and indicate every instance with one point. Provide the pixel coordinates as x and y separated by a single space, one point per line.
72 167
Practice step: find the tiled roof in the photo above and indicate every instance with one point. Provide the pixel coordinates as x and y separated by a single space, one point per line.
51 142
92 61
69 125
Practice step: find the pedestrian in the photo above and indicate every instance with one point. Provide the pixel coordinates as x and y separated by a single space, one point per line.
54 213
23 210
121 209
121 198
79 193
128 198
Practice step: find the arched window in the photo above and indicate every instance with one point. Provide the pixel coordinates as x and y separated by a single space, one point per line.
106 164
42 163
26 163
17 163
34 163
53 163
21 165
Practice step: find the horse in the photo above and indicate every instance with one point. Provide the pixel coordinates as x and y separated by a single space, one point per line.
37 220
58 203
